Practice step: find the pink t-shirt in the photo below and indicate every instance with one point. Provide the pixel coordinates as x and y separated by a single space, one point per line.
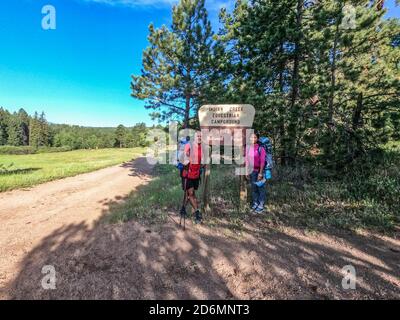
254 157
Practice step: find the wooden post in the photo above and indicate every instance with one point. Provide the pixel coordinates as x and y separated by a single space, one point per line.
242 186
206 190
243 193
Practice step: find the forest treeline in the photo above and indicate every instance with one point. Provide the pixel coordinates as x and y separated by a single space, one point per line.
324 76
21 129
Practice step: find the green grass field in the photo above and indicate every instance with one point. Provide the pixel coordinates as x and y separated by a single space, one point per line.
20 171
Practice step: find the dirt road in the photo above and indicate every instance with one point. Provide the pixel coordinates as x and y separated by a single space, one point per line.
28 216
59 224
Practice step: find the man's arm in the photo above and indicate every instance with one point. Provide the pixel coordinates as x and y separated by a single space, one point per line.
187 154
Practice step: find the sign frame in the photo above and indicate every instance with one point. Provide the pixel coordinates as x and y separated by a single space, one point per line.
240 116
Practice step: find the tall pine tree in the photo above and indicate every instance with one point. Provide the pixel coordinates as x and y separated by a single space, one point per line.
24 117
4 118
14 130
178 64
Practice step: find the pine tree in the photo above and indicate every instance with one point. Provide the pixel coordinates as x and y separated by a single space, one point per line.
4 116
24 117
34 131
14 131
318 87
44 131
267 42
358 99
139 134
120 136
178 64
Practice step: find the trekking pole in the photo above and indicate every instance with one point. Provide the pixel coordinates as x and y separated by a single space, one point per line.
183 208
184 222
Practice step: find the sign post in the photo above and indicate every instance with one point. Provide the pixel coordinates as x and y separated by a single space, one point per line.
206 192
219 120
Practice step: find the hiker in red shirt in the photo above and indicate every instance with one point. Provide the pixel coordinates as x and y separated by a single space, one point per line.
191 173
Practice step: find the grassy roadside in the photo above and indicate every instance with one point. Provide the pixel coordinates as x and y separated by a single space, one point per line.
20 171
151 202
365 196
163 195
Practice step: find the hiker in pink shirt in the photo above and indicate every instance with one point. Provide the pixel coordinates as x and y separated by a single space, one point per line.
255 162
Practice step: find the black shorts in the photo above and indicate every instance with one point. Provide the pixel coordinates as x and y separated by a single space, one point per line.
190 183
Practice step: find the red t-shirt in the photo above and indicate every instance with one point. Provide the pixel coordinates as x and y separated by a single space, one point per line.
194 155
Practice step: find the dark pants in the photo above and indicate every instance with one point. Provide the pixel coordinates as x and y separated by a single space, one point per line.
258 194
190 183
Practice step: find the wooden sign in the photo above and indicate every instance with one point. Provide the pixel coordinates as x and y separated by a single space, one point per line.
226 125
226 116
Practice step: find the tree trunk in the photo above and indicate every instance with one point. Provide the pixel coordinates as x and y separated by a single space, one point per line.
332 89
294 108
332 93
333 77
282 132
358 112
187 112
206 191
242 185
356 123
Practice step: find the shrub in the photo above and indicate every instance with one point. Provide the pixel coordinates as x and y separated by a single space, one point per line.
17 150
31 150
53 149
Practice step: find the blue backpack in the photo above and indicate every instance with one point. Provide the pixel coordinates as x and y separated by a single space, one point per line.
266 144
180 153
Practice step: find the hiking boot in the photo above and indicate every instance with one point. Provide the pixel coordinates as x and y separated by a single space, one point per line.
197 217
255 206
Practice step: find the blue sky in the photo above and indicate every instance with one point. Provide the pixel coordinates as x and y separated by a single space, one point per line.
80 72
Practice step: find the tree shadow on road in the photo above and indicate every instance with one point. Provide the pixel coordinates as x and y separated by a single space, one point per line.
160 261
139 167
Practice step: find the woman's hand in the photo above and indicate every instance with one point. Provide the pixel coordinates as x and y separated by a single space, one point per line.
260 176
